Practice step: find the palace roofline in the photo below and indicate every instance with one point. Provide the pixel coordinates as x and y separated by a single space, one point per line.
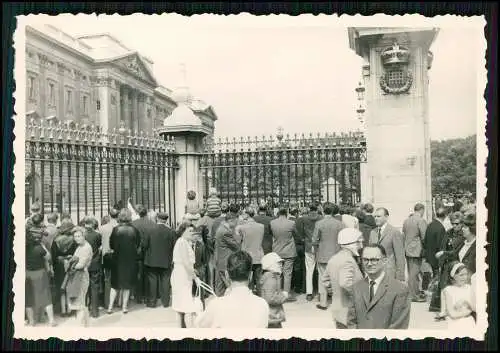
77 45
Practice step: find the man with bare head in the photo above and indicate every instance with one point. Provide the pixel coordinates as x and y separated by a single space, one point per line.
391 239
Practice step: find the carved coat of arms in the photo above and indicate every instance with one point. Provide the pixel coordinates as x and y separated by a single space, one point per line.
397 77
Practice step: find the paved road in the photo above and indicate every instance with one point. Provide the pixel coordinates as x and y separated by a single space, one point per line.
300 314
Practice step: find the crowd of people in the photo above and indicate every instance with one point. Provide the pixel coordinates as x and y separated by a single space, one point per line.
221 255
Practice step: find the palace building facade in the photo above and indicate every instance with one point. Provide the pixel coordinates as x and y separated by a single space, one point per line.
96 80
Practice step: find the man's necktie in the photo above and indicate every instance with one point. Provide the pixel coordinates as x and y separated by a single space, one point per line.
379 234
372 287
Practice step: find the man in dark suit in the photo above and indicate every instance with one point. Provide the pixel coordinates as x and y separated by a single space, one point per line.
379 301
364 228
299 270
434 235
95 240
263 218
369 219
305 228
158 249
325 242
283 232
414 228
392 241
226 243
145 226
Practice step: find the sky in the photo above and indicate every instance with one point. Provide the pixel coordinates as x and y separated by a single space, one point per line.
263 73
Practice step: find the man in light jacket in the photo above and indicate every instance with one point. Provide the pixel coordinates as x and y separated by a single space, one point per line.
251 234
283 232
325 240
414 228
342 271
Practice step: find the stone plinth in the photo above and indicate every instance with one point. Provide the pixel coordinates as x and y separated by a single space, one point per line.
395 75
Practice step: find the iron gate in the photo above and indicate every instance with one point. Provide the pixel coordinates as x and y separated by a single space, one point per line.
285 169
79 170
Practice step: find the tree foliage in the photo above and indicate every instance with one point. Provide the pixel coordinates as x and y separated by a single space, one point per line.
454 166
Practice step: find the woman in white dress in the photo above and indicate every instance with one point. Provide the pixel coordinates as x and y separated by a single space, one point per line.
458 299
182 278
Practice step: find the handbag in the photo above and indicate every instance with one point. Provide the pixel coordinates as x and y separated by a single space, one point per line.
198 302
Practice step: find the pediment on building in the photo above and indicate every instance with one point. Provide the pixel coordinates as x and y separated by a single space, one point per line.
136 66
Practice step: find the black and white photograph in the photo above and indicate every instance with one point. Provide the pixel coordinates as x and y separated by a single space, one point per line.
249 177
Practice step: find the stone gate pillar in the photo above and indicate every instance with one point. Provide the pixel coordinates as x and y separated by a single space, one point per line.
395 75
188 131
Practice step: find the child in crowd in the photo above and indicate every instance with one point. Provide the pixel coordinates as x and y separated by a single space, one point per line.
270 283
192 205
213 204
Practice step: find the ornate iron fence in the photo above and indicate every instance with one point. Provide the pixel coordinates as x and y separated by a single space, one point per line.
79 170
284 170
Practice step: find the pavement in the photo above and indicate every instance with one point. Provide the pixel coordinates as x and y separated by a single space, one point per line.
299 314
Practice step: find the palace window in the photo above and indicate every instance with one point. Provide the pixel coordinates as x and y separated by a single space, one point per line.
149 113
85 105
69 101
98 105
52 94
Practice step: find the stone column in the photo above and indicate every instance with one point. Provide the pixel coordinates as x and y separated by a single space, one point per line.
103 96
398 142
188 176
141 97
133 123
118 99
125 106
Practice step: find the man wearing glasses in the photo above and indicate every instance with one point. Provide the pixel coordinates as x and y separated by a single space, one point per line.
379 301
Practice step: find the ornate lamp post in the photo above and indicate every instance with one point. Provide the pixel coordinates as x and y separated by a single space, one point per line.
360 92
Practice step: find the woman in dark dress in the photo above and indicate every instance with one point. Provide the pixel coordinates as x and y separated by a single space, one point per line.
124 242
63 248
452 242
37 284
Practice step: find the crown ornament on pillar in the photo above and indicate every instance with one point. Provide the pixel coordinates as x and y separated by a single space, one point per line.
397 78
395 55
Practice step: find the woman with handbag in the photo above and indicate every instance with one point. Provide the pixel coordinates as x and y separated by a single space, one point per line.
182 278
63 248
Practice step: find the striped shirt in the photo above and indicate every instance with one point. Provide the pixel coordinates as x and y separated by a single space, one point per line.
213 207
